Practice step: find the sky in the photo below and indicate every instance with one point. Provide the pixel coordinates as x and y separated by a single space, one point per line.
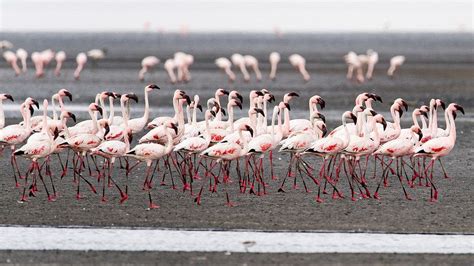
237 16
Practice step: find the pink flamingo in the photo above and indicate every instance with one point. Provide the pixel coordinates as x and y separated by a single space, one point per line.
137 124
239 61
353 62
396 149
177 96
169 67
395 63
225 64
298 62
81 60
274 60
22 54
12 59
252 62
60 58
3 96
39 64
439 147
148 63
373 58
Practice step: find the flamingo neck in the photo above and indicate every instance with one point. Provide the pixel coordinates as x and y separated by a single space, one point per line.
423 122
452 128
2 115
124 113
207 134
53 103
169 142
415 120
219 114
112 111
188 115
286 124
175 107
146 114
244 149
347 136
448 124
93 116
194 119
102 104
230 110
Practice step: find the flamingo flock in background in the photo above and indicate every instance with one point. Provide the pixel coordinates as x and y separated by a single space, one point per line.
215 151
177 67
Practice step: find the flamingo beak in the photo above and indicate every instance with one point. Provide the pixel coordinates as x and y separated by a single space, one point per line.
321 103
249 129
454 115
293 94
116 95
420 135
56 133
443 105
225 92
372 112
9 97
260 111
272 98
325 130
174 127
130 136
259 93
68 94
405 104
32 111
72 116
241 99
35 103
133 96
154 86
99 109
322 117
222 111
459 107
107 129
384 124
376 97
199 107
354 118
188 100
288 106
213 113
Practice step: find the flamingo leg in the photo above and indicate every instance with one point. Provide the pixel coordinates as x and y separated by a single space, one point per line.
399 173
48 173
385 171
12 162
24 198
442 167
271 166
151 205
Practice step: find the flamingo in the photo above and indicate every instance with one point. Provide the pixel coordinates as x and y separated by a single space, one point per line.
225 64
148 63
35 150
439 147
118 131
13 135
252 62
225 153
183 61
12 59
60 58
81 60
373 58
406 133
149 152
353 62
298 125
191 129
332 146
97 54
39 64
169 67
36 121
239 61
177 96
22 54
393 130
395 63
3 96
137 124
298 62
274 60
47 56
4 44
396 149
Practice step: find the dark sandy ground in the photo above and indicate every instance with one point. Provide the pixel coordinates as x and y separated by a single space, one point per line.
202 258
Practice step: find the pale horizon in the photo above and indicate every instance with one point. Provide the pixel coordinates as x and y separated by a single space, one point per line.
187 16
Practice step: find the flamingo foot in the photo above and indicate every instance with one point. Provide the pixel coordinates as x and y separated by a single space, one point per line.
291 174
51 198
104 199
252 191
376 195
274 177
78 196
281 190
230 204
324 191
17 185
24 198
162 183
153 206
123 197
198 200
197 177
319 200
186 186
296 187
385 183
353 198
408 197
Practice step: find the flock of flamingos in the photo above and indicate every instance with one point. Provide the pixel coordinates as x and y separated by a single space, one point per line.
218 152
178 66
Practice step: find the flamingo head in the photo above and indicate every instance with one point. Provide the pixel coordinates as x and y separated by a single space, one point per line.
375 97
173 126
152 87
221 92
245 127
288 96
402 102
128 96
381 120
440 103
104 123
348 114
418 111
255 94
236 95
106 94
316 99
417 130
4 96
95 108
317 116
358 108
235 102
424 108
453 107
66 114
283 105
64 92
321 126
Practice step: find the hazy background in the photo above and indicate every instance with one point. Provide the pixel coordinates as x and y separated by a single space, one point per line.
231 16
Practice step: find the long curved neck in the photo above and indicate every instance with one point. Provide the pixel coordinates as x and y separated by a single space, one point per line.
53 104
286 124
45 122
347 136
94 121
430 117
230 111
452 127
175 107
207 134
219 114
124 113
2 115
146 113
376 133
27 116
194 119
396 120
112 111
415 120
264 118
180 117
169 142
244 143
102 104
423 122
188 114
448 124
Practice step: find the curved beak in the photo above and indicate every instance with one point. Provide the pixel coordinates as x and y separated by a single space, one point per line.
188 100
222 111
293 94
288 106
116 95
459 107
154 86
239 105
443 105
376 97
107 129
32 111
322 117
72 116
372 112
174 127
425 114
384 123
130 136
272 98
56 133
199 107
225 92
249 129
241 99
68 94
420 135
260 111
132 96
99 109
213 113
325 130
9 97
354 118
400 111
35 103
321 103
259 93
405 104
